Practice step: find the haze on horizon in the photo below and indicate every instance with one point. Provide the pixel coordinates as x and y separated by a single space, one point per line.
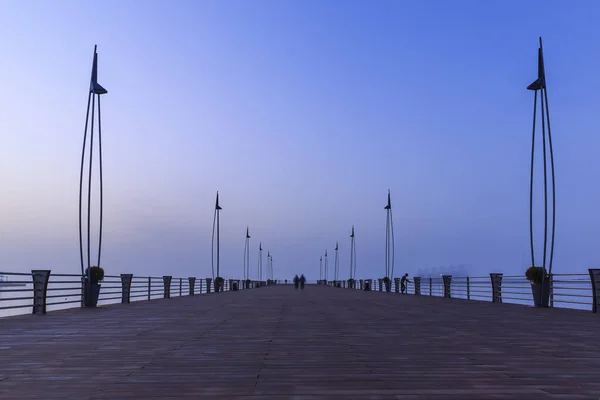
302 115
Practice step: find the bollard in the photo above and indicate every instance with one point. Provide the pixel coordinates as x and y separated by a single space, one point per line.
126 288
595 278
40 288
167 287
417 281
447 280
468 288
192 283
496 287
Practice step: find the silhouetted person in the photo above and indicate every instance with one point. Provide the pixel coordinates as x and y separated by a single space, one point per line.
403 283
302 280
296 281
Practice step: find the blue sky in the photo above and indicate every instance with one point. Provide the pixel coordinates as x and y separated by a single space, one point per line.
302 114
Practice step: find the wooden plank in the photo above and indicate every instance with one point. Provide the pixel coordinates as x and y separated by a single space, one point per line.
320 343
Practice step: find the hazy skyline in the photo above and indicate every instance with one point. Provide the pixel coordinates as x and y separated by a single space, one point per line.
302 115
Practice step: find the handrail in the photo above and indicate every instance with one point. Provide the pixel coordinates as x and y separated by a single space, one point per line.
575 291
41 291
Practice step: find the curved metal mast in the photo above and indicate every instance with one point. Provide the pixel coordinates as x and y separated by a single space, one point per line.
96 90
216 230
389 240
336 263
540 85
321 268
260 262
247 255
326 267
352 255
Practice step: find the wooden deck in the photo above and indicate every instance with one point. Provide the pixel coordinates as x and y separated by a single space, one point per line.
320 343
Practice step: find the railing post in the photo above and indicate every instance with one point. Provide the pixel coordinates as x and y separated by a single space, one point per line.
496 287
149 287
192 283
208 282
126 288
40 288
83 279
430 286
397 284
380 281
180 287
167 287
417 281
361 281
551 291
595 278
468 288
230 284
447 280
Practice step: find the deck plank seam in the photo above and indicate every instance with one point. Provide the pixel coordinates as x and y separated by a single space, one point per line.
277 327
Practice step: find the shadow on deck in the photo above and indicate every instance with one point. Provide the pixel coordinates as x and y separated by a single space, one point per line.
320 343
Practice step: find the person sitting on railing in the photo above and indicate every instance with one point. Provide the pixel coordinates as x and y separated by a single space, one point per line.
302 280
403 283
296 281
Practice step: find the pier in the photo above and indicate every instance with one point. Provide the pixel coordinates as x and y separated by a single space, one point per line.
275 342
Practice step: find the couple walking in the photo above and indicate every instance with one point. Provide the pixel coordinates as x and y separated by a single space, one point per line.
300 281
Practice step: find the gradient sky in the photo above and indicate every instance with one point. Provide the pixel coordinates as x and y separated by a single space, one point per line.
302 114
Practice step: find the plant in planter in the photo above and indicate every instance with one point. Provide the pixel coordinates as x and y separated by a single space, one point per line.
540 285
248 283
93 275
351 283
387 282
219 281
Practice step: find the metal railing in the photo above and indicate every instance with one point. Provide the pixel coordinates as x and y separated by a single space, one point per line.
20 294
576 291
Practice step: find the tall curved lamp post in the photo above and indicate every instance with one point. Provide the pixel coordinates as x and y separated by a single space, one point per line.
92 288
321 268
260 262
268 265
215 235
541 285
325 268
336 264
247 255
389 244
352 259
